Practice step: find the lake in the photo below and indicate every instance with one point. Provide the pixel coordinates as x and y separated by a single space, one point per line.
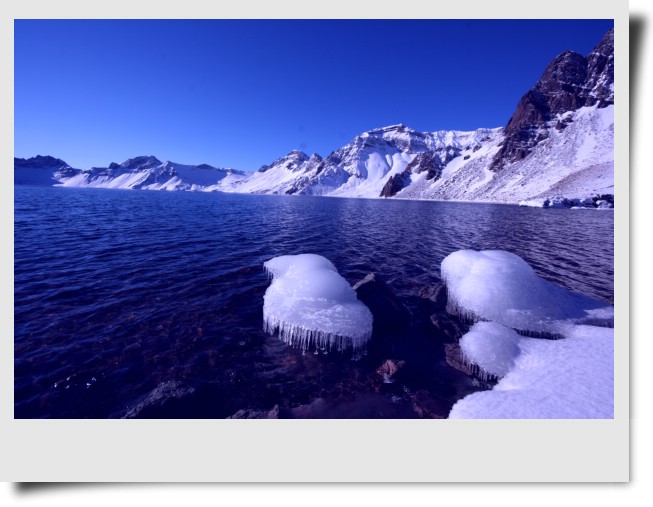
149 304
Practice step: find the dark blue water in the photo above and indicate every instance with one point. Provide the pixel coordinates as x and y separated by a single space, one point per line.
150 303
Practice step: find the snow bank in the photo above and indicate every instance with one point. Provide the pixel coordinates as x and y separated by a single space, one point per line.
572 378
500 286
310 304
533 203
492 347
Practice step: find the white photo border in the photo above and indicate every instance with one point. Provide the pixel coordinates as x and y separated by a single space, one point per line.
321 450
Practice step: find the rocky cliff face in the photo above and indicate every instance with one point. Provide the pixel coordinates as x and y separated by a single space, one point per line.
423 162
570 82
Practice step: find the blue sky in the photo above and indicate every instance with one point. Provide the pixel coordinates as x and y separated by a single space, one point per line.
240 93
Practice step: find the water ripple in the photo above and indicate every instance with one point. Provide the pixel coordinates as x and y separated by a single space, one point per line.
133 289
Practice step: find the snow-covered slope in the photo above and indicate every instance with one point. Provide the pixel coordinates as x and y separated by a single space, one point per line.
284 176
576 162
39 170
377 163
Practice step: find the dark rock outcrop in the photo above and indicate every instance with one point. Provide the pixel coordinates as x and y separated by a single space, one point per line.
446 326
425 161
571 81
396 183
389 314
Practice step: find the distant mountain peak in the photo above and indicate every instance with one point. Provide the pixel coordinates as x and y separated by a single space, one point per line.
40 161
399 127
141 162
297 153
291 161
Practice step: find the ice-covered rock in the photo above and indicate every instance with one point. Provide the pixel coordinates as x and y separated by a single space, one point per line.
492 347
311 305
500 286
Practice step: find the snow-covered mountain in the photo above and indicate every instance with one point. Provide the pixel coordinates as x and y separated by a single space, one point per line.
576 162
144 173
559 144
570 82
366 166
39 170
283 176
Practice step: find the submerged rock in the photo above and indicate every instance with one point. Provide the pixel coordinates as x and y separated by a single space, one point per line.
389 368
436 293
427 407
158 398
249 413
359 405
312 410
446 326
